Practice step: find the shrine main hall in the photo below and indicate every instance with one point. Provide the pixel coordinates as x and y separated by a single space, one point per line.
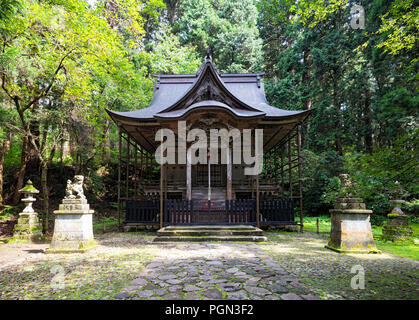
209 193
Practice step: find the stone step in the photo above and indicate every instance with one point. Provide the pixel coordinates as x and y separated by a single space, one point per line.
211 227
199 233
209 238
210 233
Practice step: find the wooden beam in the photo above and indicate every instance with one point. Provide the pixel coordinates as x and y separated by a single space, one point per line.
150 147
272 137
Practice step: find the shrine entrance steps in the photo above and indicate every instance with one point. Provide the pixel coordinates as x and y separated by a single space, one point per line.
210 233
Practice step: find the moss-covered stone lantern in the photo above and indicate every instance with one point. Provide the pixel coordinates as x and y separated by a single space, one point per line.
397 228
28 227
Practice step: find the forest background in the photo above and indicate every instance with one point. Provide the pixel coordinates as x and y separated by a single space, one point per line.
62 62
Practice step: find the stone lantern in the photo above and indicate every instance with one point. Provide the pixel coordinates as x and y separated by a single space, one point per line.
28 227
397 228
350 223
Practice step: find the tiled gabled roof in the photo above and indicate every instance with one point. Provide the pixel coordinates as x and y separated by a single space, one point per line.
174 96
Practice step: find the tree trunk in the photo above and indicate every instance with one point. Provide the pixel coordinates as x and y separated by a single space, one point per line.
306 80
337 104
32 153
4 147
45 194
368 123
21 173
65 146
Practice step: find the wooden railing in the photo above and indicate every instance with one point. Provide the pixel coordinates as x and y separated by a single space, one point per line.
178 212
241 211
142 211
277 211
183 212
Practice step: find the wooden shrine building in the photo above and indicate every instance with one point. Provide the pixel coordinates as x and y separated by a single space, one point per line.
187 194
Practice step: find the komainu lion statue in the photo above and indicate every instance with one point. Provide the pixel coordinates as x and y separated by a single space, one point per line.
74 189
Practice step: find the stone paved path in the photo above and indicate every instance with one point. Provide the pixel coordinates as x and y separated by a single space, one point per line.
132 266
233 271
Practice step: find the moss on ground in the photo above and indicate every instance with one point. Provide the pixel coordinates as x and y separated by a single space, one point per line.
98 274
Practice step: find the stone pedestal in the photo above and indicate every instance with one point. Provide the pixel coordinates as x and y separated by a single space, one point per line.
73 228
397 228
28 228
351 227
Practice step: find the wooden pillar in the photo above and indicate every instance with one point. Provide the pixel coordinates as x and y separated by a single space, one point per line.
299 177
161 194
127 169
282 171
135 171
271 166
276 166
162 176
289 167
188 176
119 178
141 163
229 176
257 202
147 167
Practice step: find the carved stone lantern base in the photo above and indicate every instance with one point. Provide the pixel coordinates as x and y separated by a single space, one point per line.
397 228
351 227
28 228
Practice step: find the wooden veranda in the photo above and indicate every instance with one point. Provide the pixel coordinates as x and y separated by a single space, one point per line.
148 197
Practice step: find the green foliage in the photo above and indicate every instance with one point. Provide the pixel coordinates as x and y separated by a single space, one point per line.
412 208
332 190
318 172
8 211
378 220
170 57
313 12
105 224
310 224
376 174
94 186
12 158
400 27
228 28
